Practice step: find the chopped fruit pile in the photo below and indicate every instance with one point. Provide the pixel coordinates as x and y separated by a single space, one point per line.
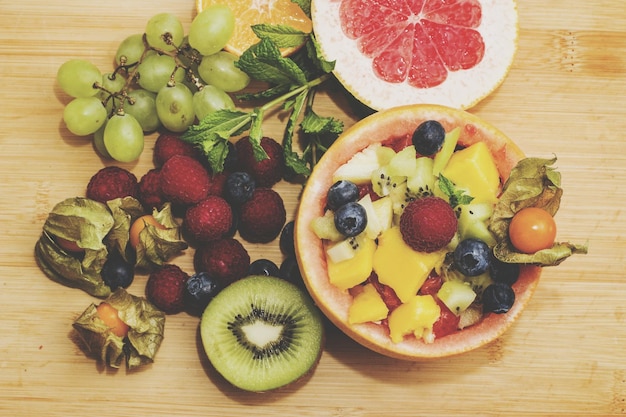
407 232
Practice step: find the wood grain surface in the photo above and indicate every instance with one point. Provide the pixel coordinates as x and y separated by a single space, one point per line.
566 355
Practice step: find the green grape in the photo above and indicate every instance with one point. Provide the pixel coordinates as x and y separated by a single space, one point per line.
161 24
155 71
175 107
98 142
84 115
143 109
209 100
111 85
77 78
219 70
123 138
131 48
211 29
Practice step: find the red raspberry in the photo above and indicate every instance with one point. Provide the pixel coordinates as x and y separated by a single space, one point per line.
217 182
110 183
265 172
150 194
225 259
261 218
428 224
184 180
209 220
168 145
166 288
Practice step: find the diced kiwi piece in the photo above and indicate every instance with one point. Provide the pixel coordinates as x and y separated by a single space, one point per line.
422 182
324 227
383 183
456 295
261 333
479 283
443 156
473 220
400 197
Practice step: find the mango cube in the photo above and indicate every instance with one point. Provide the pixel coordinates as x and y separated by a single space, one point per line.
401 267
367 306
474 170
416 316
353 271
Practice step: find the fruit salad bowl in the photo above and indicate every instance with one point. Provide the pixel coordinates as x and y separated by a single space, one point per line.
394 128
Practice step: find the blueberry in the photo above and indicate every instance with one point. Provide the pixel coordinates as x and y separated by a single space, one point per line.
471 257
350 219
290 271
505 272
263 267
498 298
239 187
340 193
428 137
286 242
200 288
116 272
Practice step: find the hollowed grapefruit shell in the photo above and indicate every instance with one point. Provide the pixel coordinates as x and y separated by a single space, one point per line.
334 303
434 36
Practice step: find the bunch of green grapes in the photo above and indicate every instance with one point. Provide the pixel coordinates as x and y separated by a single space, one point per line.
162 79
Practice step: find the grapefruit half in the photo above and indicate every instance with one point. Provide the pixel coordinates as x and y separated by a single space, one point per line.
389 53
385 126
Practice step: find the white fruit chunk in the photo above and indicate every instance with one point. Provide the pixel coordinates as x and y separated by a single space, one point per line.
373 227
360 167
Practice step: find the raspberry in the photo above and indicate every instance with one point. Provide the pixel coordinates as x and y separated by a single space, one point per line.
168 145
150 194
265 172
261 218
110 183
184 180
166 288
428 224
225 259
209 220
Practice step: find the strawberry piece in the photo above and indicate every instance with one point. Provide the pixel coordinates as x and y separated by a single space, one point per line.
447 323
110 183
265 172
386 292
428 224
432 285
225 259
166 288
365 189
184 180
261 218
209 220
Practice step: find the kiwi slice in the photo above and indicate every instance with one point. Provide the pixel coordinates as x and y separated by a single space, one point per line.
261 333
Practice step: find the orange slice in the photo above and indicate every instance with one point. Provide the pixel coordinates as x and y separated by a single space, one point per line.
382 127
252 12
390 53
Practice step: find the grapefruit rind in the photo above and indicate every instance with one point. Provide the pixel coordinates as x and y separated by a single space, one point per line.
334 303
462 89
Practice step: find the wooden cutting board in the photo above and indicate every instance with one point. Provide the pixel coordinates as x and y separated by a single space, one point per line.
565 95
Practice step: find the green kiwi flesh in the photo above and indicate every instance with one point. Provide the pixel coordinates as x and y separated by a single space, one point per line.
261 333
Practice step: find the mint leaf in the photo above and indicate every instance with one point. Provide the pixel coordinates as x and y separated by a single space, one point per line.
283 36
317 125
455 196
315 55
293 161
264 62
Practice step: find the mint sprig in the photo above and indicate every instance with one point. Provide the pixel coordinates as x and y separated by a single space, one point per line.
291 83
456 196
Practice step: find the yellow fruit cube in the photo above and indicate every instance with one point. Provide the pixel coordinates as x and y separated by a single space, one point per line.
353 271
367 306
474 169
416 316
401 267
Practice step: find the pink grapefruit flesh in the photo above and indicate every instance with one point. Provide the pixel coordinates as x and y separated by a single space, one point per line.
395 52
385 126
